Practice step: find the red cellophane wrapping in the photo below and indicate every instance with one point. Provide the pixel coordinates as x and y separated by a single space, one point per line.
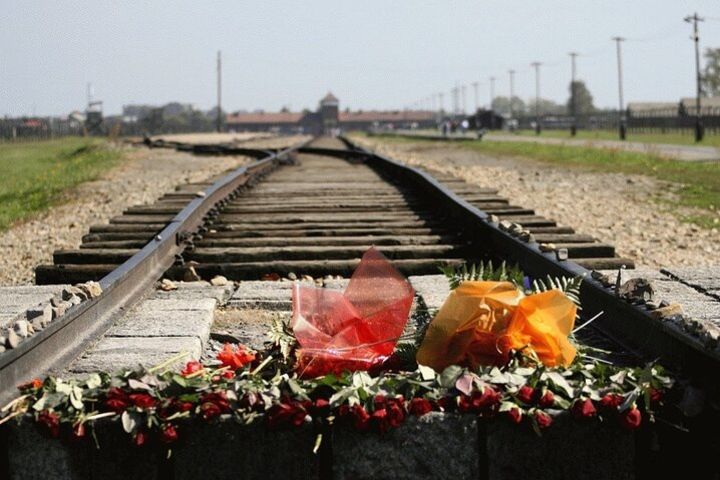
356 329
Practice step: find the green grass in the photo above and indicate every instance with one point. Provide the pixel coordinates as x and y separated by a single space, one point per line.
667 138
699 182
35 175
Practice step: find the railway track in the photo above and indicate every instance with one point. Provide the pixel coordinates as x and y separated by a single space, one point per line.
316 217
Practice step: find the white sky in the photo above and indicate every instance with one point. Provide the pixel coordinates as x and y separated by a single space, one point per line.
370 53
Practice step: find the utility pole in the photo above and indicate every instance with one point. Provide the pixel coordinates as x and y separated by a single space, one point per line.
492 92
442 106
573 105
622 127
475 87
464 105
699 129
537 97
492 100
512 91
219 93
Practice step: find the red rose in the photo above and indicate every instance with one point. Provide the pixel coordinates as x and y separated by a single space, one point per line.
656 395
447 404
485 400
379 402
169 434
547 400
286 414
515 415
34 384
611 401
191 367
380 420
213 404
419 406
228 374
464 404
252 401
478 402
181 406
142 400
360 417
235 358
543 419
140 438
631 419
50 422
117 400
583 408
395 414
78 431
320 407
525 394
209 411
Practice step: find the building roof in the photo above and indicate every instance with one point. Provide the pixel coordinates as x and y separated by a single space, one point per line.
264 117
329 98
689 102
645 106
384 116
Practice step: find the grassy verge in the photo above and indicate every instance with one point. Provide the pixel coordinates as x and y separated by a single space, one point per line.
699 182
666 138
36 174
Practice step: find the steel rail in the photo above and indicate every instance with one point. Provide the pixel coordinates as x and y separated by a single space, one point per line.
65 338
630 326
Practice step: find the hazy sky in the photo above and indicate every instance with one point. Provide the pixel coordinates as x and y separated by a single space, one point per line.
370 53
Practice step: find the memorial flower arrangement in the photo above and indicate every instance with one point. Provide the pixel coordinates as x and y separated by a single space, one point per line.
499 348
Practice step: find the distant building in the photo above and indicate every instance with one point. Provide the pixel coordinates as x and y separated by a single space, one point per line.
327 118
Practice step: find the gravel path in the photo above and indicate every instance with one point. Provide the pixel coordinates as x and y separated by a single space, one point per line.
142 177
630 211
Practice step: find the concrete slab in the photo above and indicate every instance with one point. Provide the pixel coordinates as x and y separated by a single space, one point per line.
158 328
432 289
274 296
195 290
117 353
695 305
190 323
705 279
176 303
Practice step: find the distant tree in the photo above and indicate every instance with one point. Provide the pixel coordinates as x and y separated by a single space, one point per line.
547 107
583 99
501 105
711 72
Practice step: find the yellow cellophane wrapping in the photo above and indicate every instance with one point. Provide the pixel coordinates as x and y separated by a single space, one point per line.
481 322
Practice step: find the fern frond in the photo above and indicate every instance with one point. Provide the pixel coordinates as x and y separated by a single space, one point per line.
282 336
569 286
482 272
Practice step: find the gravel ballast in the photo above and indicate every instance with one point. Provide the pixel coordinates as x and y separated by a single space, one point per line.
633 212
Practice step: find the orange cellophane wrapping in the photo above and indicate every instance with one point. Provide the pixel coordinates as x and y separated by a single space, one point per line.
481 322
353 330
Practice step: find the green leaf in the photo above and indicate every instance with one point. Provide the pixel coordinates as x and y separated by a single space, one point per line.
130 421
76 395
426 373
93 381
449 376
560 382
